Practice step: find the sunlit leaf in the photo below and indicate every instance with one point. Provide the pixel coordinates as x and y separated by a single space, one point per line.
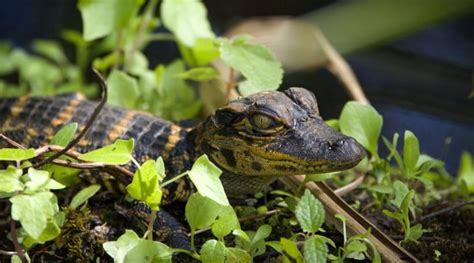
13 154
145 185
84 195
114 154
310 212
315 250
213 251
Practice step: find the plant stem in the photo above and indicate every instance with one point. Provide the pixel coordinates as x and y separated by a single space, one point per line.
174 179
17 246
190 253
151 221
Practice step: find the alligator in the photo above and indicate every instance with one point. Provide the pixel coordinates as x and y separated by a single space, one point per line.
254 140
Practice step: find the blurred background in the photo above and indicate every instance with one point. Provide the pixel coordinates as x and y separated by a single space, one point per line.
414 61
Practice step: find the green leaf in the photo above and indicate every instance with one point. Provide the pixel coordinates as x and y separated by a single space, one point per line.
256 63
200 74
363 123
117 153
204 51
84 195
40 181
13 154
226 222
149 251
257 244
160 167
396 216
33 211
10 180
334 123
200 211
310 212
466 171
205 175
64 135
318 177
119 249
213 251
50 49
177 100
145 185
415 233
315 250
138 64
411 151
236 255
123 89
187 19
241 234
400 191
291 249
102 17
383 189
404 207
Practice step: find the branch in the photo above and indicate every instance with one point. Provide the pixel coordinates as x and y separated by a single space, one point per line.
93 117
18 249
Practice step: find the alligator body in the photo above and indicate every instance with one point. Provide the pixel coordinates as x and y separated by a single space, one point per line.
254 140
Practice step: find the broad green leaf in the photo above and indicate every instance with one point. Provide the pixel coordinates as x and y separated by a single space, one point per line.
291 249
40 181
236 255
411 151
315 250
149 251
51 231
138 64
101 17
10 180
33 211
84 195
64 135
356 246
187 19
50 49
334 123
241 234
145 185
256 63
117 153
119 249
310 212
400 190
466 171
213 251
200 74
257 244
415 233
204 51
201 211
363 123
205 175
13 154
226 222
123 89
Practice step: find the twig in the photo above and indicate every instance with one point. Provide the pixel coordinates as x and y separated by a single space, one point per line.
230 85
12 142
92 118
444 211
339 67
8 253
341 191
17 246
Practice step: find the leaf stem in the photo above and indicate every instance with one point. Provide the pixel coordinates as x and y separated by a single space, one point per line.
17 246
174 179
190 253
151 221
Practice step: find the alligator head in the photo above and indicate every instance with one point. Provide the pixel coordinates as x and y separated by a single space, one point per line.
271 134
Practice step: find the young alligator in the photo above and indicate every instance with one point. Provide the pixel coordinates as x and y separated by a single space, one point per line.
254 140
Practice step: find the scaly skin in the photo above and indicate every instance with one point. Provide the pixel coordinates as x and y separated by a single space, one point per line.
254 140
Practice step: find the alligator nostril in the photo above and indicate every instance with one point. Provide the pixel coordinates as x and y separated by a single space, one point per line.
340 143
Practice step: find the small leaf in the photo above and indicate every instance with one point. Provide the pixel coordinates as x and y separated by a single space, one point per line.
256 63
200 74
318 177
466 171
114 154
10 180
226 222
263 232
64 135
100 18
123 89
149 251
363 123
241 234
415 232
205 175
310 212
13 154
236 255
291 249
204 51
40 181
84 195
315 250
383 189
145 185
200 211
213 251
119 249
51 50
33 211
187 19
400 191
411 151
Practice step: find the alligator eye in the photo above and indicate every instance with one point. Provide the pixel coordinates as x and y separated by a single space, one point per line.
264 123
